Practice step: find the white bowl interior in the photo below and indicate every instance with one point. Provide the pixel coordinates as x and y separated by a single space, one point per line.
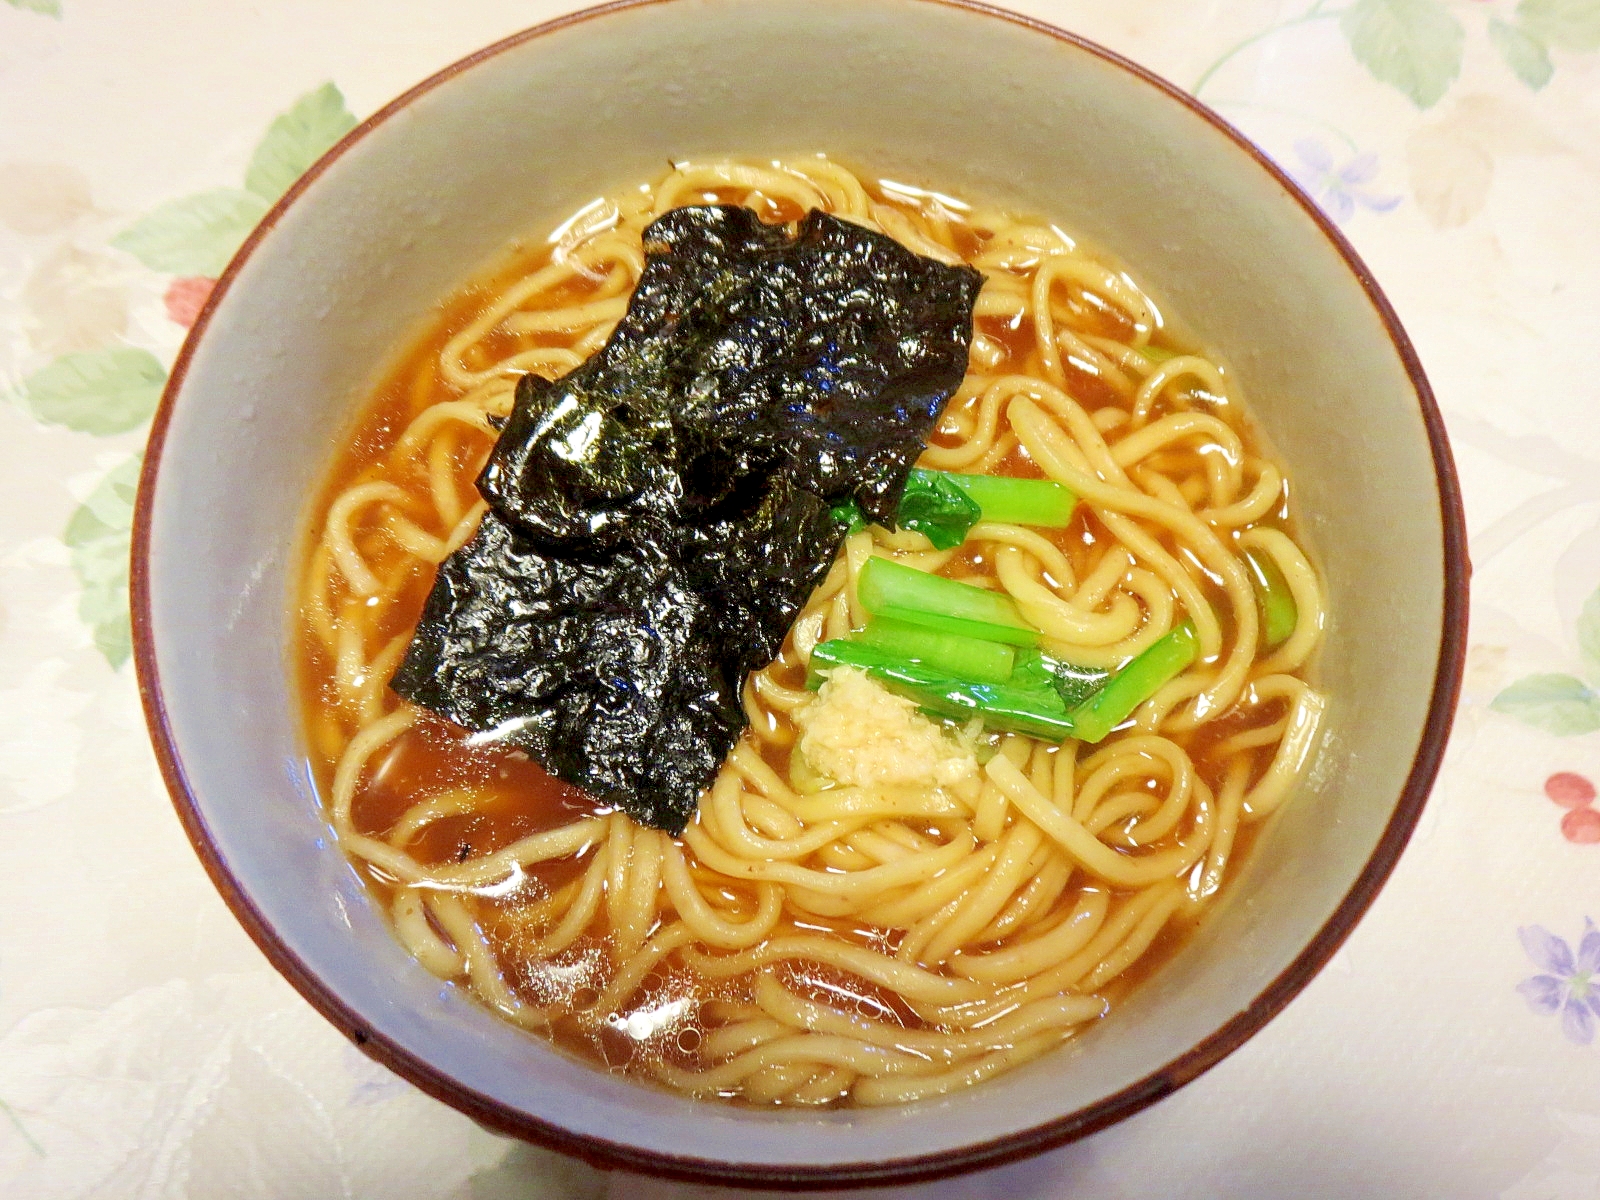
921 92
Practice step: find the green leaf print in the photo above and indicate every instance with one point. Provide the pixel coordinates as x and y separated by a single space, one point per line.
1566 24
1558 704
1589 637
50 8
296 140
1412 45
98 535
96 391
16 1121
196 235
1524 54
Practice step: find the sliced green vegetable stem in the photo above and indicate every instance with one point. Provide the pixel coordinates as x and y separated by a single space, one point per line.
890 589
961 657
1009 500
943 506
1034 711
1162 661
1074 684
1279 613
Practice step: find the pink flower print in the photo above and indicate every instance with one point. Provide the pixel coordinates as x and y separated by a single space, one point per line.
1569 789
1338 188
186 296
1569 986
1580 824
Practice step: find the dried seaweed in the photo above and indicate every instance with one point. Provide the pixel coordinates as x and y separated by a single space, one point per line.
658 517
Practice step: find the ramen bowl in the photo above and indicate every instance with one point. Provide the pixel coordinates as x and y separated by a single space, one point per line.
955 96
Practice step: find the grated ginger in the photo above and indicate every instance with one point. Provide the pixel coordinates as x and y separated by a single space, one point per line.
858 733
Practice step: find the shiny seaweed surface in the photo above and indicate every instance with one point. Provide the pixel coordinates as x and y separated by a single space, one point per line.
658 516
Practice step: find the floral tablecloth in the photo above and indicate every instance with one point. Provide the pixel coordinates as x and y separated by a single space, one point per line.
1449 1050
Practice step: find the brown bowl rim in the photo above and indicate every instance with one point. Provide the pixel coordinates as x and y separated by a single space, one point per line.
615 1155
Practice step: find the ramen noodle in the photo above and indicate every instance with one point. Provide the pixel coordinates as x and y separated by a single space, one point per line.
841 924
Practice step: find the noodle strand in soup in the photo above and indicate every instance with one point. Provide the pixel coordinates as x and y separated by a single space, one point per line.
809 940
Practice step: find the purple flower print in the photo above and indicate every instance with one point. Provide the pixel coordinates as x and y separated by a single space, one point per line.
1338 188
1570 986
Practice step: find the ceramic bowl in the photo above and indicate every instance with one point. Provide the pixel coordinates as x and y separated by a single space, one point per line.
968 99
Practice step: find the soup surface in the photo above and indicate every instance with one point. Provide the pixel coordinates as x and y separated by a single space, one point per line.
870 906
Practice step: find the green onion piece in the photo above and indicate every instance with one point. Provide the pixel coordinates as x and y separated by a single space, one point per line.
1279 614
1157 354
1036 712
888 589
1009 500
962 657
1140 679
848 514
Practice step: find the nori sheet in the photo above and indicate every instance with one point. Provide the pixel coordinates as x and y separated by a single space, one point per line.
659 516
